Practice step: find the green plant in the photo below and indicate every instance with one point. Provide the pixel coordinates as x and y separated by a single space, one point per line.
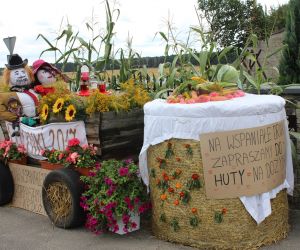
126 62
185 197
219 215
70 45
74 155
175 224
290 61
114 191
194 182
67 49
163 218
11 151
169 151
53 156
194 221
79 156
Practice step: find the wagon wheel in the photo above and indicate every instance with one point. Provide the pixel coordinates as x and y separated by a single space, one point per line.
61 198
6 184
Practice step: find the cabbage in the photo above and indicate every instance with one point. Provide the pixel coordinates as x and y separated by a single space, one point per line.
228 73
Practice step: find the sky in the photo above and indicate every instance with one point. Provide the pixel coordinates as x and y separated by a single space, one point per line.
141 19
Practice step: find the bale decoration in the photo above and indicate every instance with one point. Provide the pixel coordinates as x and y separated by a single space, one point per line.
183 214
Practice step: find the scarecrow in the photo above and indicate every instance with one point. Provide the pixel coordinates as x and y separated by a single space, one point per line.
44 76
22 100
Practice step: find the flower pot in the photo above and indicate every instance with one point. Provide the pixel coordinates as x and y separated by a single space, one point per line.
50 166
83 171
134 217
22 161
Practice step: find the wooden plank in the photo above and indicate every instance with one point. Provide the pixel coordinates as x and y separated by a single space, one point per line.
121 134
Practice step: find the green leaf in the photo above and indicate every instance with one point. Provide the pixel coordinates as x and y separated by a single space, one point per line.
224 52
163 35
251 80
66 54
203 55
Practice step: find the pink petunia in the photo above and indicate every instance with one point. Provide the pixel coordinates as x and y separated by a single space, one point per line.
123 171
91 174
125 218
133 225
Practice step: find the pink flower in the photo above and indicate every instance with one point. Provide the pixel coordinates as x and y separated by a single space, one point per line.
6 153
111 190
97 165
2 145
116 228
21 149
123 171
69 159
127 200
84 206
85 146
42 152
133 225
83 198
73 142
125 218
60 156
91 174
73 157
128 161
108 181
109 213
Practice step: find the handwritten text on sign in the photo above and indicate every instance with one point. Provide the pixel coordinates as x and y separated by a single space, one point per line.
243 162
53 135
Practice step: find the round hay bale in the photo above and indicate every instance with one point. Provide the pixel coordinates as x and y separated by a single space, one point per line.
61 194
181 212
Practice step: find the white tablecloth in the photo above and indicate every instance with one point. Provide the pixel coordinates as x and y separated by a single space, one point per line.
187 121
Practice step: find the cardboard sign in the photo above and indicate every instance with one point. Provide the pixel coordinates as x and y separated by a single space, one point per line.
28 182
243 162
53 135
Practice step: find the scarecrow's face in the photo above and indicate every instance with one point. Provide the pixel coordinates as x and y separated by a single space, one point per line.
19 77
45 76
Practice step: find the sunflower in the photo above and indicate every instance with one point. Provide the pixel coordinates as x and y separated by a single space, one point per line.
44 112
58 105
70 113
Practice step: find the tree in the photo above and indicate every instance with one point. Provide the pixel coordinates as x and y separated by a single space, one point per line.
256 20
278 15
231 21
289 66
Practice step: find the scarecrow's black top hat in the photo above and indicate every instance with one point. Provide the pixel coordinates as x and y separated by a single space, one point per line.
15 62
